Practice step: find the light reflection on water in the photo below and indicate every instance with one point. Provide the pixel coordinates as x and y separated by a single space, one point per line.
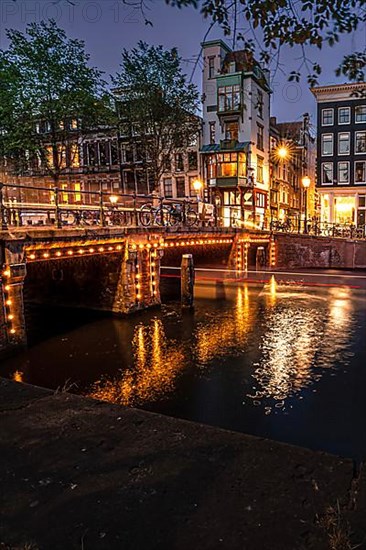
157 360
298 334
302 337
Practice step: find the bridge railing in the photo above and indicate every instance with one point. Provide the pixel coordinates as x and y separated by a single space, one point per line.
63 207
321 229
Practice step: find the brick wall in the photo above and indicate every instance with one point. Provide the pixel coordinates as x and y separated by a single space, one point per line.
301 251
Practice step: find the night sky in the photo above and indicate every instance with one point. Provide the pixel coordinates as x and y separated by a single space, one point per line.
107 26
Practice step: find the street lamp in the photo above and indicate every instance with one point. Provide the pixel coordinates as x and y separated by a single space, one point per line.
113 199
197 186
306 181
282 152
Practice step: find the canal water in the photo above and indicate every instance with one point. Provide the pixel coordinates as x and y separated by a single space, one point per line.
275 360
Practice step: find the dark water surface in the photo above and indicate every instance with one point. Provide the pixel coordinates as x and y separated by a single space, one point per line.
273 360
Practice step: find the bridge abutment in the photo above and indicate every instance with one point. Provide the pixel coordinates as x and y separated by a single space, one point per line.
116 275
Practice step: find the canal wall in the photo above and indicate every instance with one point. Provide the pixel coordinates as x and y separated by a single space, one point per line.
77 473
303 251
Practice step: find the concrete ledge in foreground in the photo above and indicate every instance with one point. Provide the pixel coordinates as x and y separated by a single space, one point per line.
82 474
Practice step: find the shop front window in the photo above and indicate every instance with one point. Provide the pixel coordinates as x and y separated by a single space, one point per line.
344 208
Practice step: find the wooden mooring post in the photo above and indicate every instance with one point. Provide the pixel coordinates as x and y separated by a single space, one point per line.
187 281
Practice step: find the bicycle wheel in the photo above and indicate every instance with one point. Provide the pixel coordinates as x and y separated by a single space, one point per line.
162 217
191 217
145 215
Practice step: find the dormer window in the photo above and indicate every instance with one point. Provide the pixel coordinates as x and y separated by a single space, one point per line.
232 67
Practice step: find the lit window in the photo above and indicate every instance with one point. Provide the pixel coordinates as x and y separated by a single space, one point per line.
343 172
327 145
360 144
344 115
327 117
343 144
74 155
259 169
327 173
260 200
77 196
360 113
360 171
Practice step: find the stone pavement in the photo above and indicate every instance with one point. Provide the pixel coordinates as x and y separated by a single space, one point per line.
82 474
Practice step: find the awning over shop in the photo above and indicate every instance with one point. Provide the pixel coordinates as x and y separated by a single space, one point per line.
217 148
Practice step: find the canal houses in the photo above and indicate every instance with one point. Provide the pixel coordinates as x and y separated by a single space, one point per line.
235 143
341 166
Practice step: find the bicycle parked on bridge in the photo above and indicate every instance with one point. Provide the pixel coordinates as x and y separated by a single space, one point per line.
168 215
286 225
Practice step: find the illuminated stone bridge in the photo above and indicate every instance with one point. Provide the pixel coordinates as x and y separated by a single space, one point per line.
116 270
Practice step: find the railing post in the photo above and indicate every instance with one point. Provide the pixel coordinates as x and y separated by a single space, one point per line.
57 207
135 215
3 220
101 210
184 215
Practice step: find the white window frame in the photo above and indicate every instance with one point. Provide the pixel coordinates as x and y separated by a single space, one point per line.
361 152
338 171
359 121
322 149
349 115
349 143
359 182
328 109
322 173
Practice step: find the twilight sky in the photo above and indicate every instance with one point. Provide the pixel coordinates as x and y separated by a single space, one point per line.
107 26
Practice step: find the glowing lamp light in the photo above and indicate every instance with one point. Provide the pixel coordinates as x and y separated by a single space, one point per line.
12 331
6 273
70 252
306 181
32 256
8 302
10 317
58 253
7 288
282 152
197 185
113 199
